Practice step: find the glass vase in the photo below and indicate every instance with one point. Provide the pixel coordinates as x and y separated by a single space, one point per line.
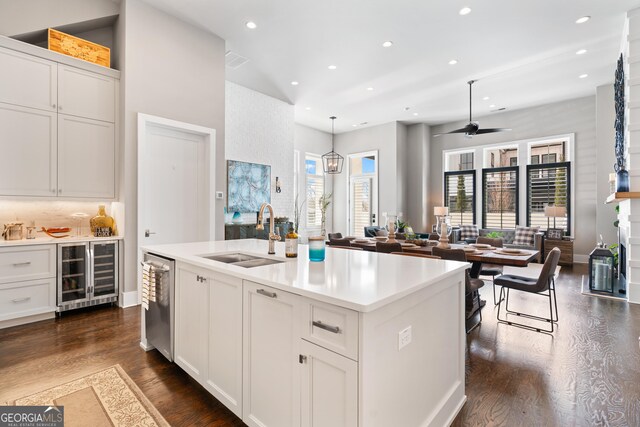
622 180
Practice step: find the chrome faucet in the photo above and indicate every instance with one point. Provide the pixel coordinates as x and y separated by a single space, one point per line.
273 237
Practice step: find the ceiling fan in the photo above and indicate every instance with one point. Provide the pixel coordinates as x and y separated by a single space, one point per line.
473 128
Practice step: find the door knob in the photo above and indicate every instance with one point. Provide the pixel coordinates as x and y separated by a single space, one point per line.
148 233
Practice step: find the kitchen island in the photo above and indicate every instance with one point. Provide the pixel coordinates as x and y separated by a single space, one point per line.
361 339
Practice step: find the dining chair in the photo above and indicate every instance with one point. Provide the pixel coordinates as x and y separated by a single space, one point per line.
492 270
544 285
387 248
416 255
471 286
340 242
333 236
434 236
347 247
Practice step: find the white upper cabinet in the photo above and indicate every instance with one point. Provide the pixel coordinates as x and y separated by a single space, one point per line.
28 151
85 94
86 157
27 80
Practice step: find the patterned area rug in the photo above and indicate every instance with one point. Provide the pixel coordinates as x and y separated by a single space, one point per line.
105 398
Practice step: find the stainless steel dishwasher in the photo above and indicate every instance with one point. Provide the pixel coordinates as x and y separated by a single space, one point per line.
159 318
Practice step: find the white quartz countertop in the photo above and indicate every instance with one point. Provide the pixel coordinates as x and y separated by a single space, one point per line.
43 239
358 280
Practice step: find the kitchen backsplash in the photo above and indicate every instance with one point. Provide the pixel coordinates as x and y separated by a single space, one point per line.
57 213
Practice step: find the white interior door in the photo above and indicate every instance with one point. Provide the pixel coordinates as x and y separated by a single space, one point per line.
175 182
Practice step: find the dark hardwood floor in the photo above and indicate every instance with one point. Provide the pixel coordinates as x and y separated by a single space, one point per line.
586 374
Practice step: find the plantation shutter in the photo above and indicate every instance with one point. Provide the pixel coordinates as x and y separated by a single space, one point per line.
460 197
500 197
548 184
361 204
315 190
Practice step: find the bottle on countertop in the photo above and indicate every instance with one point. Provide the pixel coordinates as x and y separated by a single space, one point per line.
103 225
291 244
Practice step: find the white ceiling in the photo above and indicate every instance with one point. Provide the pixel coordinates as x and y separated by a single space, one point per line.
523 52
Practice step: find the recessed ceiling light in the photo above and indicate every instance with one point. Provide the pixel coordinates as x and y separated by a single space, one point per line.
581 52
486 98
332 67
582 20
369 89
355 126
583 76
294 83
492 106
308 108
415 114
453 62
465 11
388 43
251 25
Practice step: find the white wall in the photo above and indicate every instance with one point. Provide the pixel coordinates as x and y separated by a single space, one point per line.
174 70
417 166
20 17
260 129
574 116
605 153
382 138
312 141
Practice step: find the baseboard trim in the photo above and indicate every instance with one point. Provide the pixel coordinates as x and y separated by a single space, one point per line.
146 346
128 299
27 319
581 259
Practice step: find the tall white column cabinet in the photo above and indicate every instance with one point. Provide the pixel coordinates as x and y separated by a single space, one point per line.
58 127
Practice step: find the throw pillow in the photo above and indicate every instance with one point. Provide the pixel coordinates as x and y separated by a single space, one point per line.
469 232
382 233
525 236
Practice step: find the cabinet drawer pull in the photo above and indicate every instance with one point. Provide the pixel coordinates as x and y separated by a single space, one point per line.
319 324
267 293
21 299
18 264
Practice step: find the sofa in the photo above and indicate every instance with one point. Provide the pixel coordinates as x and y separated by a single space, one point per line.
508 236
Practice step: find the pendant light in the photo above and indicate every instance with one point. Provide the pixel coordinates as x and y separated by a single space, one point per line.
332 162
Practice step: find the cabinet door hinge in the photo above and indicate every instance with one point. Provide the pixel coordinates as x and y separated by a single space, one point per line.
302 359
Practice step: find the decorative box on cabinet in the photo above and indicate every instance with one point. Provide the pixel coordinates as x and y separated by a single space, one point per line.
566 250
27 284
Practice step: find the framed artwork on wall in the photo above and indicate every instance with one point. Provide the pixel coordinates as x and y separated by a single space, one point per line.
248 186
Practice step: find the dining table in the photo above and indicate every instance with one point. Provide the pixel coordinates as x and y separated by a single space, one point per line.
476 258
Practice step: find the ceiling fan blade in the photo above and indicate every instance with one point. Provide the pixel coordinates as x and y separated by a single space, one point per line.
491 130
471 127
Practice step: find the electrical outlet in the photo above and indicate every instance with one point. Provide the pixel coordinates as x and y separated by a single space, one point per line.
219 195
404 337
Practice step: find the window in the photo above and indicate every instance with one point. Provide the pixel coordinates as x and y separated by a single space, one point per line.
459 196
548 184
315 190
458 161
535 160
549 158
501 157
500 197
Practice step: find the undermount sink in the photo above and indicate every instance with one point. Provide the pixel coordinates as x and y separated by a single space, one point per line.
242 260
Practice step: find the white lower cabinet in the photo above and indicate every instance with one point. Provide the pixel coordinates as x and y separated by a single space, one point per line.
271 375
329 396
208 332
243 342
191 322
224 368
